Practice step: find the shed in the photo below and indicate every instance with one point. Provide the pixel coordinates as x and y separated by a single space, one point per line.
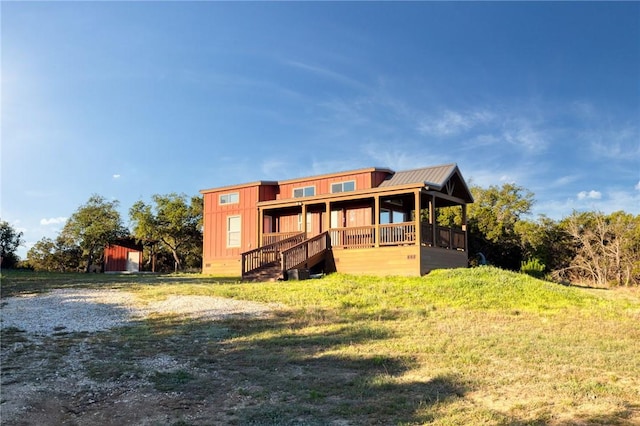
123 255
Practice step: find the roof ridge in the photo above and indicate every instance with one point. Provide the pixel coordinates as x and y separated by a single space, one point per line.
428 167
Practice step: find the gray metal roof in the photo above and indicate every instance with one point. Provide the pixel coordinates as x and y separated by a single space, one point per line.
445 178
435 177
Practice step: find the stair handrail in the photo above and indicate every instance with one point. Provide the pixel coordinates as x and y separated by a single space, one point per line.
260 256
303 251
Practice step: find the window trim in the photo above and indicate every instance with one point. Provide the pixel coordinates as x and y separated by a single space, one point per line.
230 232
303 188
227 196
342 186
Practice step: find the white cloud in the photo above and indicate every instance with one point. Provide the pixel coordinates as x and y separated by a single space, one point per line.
564 180
452 122
637 187
116 176
53 221
593 195
521 133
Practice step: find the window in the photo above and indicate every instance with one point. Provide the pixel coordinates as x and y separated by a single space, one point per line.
231 198
233 231
343 186
307 191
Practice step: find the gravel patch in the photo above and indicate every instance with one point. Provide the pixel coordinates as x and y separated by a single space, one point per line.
65 310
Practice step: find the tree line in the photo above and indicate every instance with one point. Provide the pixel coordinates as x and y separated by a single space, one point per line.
169 228
588 247
585 247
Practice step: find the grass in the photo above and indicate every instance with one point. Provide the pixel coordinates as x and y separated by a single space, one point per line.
467 346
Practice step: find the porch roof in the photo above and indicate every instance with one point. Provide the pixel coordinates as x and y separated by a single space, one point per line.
444 177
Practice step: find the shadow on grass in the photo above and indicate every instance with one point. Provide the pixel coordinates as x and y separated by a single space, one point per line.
279 370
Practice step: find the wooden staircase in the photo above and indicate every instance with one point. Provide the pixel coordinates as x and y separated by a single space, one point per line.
269 272
273 261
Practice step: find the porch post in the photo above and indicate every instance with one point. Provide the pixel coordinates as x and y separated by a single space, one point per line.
327 216
304 219
432 219
417 218
376 220
464 227
260 226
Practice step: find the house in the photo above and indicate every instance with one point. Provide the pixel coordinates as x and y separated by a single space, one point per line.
367 221
123 255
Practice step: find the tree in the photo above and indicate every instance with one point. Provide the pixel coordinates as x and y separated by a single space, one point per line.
492 219
173 220
92 226
607 248
547 241
10 240
54 255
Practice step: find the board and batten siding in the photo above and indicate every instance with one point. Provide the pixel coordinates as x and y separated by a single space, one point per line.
217 258
363 180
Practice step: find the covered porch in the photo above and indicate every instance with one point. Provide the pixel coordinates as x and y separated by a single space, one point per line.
363 227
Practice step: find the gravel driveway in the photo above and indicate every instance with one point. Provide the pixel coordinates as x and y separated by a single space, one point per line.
95 310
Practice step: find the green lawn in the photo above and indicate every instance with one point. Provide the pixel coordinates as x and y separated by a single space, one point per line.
467 346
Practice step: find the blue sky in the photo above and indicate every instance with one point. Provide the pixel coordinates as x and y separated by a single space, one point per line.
131 99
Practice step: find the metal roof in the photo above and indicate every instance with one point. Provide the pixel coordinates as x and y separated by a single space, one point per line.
435 177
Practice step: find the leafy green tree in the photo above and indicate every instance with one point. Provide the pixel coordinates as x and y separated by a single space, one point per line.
547 241
54 255
10 240
492 220
174 220
92 226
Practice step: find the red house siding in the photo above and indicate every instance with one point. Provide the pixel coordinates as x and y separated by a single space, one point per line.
218 258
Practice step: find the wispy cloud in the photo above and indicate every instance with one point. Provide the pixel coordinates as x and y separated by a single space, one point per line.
564 180
616 144
637 187
53 221
591 195
327 73
116 176
521 132
450 123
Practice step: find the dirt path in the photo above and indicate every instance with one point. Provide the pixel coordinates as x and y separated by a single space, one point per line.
86 357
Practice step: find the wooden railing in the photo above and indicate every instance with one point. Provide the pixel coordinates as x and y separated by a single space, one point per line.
449 238
357 236
274 237
269 253
301 253
394 234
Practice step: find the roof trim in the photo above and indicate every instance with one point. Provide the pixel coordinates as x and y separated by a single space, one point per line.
336 174
240 186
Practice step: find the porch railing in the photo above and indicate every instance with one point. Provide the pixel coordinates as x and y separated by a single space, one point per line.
304 251
269 253
355 237
394 234
449 238
274 237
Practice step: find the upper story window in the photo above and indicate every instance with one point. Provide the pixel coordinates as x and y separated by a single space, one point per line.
230 198
343 186
307 191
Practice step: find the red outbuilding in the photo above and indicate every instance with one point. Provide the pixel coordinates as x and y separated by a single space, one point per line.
123 255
